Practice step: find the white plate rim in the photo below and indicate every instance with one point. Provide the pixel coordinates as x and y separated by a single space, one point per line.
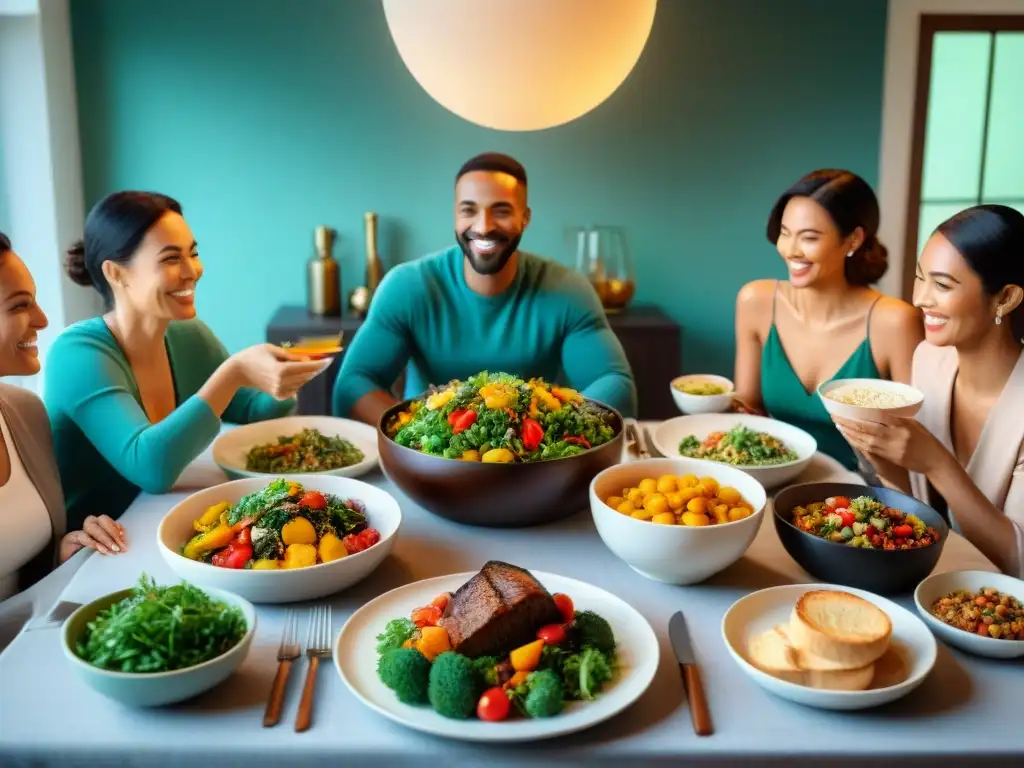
896 691
745 468
473 730
366 433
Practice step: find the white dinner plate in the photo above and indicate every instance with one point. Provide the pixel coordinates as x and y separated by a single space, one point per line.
231 448
355 658
905 666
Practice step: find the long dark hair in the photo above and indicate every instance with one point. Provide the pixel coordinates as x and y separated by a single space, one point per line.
5 244
991 240
113 230
851 203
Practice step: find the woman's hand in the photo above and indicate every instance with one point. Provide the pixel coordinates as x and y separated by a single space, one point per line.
738 406
100 533
274 370
897 440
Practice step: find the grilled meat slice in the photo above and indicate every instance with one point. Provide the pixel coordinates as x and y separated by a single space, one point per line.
497 610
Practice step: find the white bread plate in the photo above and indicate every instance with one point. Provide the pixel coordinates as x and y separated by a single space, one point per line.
910 656
914 399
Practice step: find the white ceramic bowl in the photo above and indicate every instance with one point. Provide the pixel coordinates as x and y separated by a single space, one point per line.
231 447
158 688
845 411
911 657
691 404
670 433
675 554
285 585
941 584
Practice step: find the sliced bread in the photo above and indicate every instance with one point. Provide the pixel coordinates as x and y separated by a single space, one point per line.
839 628
772 652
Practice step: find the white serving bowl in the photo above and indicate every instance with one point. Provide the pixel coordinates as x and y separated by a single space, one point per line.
692 404
861 413
670 433
913 646
157 688
232 446
674 554
941 584
283 585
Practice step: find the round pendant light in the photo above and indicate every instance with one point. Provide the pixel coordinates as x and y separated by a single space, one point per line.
520 65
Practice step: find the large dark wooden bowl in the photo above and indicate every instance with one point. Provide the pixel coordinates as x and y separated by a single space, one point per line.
876 570
497 495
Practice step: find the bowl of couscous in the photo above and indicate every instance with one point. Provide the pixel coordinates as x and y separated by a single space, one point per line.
868 399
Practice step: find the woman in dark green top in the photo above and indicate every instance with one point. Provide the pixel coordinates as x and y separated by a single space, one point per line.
825 322
136 395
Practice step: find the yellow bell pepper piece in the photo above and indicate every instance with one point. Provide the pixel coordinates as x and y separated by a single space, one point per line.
211 516
215 538
471 455
298 530
565 394
299 556
331 548
266 565
439 399
433 642
525 658
498 456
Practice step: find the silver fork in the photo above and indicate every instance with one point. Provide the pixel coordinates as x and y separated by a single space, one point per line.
318 646
286 654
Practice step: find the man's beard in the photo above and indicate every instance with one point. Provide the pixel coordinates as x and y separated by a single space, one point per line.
492 263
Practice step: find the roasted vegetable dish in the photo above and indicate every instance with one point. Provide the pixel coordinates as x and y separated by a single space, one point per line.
863 522
159 629
308 451
281 526
500 646
685 500
740 446
498 418
988 613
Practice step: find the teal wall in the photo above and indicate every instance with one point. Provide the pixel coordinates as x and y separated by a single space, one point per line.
267 118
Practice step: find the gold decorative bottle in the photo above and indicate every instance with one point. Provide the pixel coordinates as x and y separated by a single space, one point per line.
374 270
323 279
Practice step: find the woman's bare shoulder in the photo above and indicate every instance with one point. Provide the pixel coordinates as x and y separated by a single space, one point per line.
756 296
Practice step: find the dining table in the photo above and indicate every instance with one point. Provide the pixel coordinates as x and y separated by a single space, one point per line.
965 711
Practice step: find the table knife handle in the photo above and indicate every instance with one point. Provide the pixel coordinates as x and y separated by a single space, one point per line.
273 713
306 705
699 712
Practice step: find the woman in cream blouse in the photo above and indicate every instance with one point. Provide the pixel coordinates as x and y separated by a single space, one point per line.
964 452
32 518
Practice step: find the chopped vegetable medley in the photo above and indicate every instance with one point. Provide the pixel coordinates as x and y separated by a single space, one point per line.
988 613
740 446
308 451
863 522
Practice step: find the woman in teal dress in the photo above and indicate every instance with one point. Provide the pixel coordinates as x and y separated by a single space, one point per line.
137 394
825 322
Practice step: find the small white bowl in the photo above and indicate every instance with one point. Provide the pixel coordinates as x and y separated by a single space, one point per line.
155 689
670 433
284 585
232 447
691 404
912 647
941 584
674 554
862 413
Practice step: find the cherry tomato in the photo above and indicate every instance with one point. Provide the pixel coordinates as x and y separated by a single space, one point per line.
902 531
369 537
441 601
313 500
532 434
847 516
427 616
552 634
565 607
461 420
493 705
354 543
837 502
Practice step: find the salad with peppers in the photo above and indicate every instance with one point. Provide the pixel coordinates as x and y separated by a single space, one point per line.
498 418
280 526
863 522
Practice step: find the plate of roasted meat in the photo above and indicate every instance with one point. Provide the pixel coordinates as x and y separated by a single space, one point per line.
498 655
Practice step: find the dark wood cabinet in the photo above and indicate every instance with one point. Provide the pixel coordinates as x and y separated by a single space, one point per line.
652 340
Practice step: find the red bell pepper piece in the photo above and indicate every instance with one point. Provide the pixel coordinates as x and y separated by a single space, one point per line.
578 441
532 434
462 420
233 556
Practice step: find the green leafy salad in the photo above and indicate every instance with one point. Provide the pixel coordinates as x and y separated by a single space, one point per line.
501 419
308 451
740 446
158 629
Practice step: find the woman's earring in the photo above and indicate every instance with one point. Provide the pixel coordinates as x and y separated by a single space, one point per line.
849 254
999 319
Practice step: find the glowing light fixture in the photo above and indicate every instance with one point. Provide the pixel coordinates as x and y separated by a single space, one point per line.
520 65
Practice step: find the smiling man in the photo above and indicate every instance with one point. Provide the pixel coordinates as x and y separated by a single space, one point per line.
483 305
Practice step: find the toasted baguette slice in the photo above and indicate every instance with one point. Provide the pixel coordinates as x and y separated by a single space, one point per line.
809 661
839 627
840 679
771 652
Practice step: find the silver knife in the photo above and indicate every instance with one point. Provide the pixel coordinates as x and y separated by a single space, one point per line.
679 636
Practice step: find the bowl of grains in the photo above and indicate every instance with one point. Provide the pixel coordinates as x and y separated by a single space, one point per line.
868 399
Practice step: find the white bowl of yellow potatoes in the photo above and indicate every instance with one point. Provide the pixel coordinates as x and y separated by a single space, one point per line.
702 393
678 521
286 584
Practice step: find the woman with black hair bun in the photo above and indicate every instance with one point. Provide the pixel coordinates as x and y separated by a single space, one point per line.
964 452
825 322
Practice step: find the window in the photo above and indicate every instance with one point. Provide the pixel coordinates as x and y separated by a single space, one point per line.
967 123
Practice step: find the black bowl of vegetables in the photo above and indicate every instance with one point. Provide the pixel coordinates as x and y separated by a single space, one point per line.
153 645
860 536
499 451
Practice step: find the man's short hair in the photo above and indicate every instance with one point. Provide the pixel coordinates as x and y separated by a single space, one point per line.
495 162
